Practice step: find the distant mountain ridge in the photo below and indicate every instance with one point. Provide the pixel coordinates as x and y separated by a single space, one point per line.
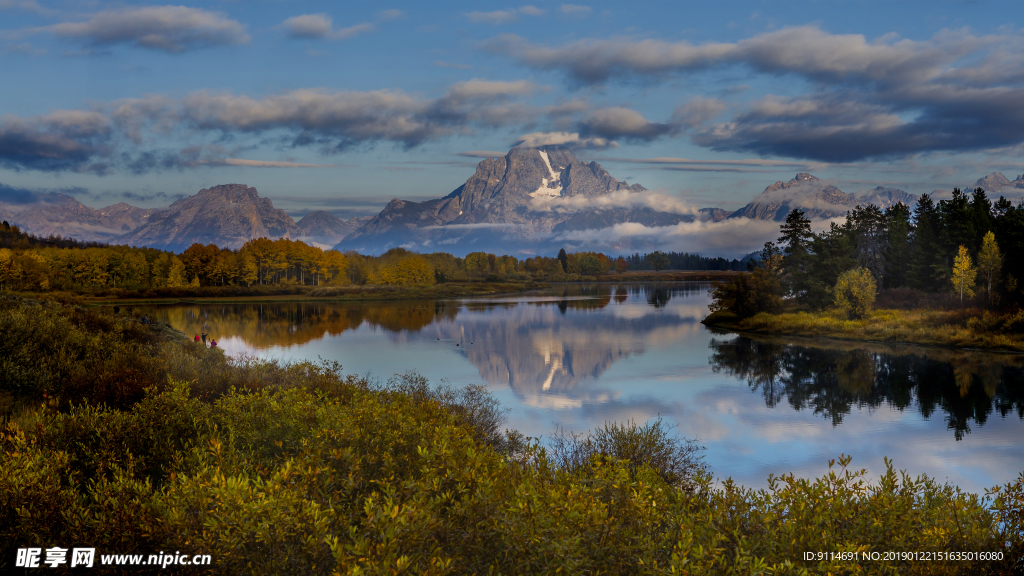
819 200
510 200
996 182
53 213
529 200
228 215
325 229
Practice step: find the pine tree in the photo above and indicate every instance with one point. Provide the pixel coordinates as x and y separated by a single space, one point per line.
796 237
868 227
564 259
957 216
897 250
926 251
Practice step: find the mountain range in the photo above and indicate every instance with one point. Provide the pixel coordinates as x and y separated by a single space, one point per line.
532 200
53 213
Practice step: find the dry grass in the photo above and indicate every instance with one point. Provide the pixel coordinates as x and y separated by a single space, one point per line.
963 328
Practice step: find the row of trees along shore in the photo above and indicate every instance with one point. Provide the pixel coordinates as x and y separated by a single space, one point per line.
967 246
55 263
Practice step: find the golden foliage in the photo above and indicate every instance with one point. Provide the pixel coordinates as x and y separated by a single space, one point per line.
964 274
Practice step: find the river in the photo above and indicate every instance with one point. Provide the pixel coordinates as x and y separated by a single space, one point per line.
581 355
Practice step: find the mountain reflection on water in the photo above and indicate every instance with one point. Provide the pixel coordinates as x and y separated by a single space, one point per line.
830 379
534 345
581 355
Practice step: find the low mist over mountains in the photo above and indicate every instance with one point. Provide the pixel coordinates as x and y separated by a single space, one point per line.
53 213
996 184
532 200
517 201
819 200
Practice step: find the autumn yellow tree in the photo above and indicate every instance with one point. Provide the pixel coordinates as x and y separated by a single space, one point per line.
964 274
335 266
6 267
855 292
176 274
990 262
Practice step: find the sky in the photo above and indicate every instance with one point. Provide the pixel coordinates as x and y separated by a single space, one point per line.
343 106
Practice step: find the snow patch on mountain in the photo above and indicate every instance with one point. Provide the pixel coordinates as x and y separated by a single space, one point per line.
551 186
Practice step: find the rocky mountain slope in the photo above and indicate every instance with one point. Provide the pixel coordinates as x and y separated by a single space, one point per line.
817 199
53 213
228 215
527 194
530 200
325 229
996 183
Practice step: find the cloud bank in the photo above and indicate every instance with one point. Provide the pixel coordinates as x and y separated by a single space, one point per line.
886 97
163 28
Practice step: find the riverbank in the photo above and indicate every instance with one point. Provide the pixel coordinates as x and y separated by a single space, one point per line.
256 294
136 441
356 292
965 328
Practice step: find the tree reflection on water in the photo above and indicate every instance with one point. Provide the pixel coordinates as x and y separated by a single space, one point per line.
966 386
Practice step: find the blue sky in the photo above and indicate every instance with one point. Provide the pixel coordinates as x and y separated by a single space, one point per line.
342 106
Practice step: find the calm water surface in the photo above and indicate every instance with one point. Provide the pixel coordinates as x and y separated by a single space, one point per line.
582 355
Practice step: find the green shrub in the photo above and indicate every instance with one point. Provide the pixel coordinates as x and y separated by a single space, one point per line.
678 461
855 292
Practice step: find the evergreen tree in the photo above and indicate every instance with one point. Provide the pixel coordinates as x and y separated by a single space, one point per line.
796 237
867 226
564 259
957 221
658 261
1009 233
926 252
897 251
981 212
833 254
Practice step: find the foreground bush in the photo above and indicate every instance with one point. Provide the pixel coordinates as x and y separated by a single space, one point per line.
297 481
299 470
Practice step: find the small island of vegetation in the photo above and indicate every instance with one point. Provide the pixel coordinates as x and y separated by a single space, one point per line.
947 275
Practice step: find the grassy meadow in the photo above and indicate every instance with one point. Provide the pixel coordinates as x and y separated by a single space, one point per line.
960 328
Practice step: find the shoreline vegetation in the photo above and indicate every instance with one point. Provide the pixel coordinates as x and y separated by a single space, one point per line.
959 329
367 292
74 272
128 437
936 277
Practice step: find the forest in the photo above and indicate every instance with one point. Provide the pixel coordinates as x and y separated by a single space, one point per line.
28 263
946 273
965 247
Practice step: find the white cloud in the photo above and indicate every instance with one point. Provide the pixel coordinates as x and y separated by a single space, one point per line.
165 28
575 10
732 237
322 26
504 16
267 163
385 15
566 139
619 199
